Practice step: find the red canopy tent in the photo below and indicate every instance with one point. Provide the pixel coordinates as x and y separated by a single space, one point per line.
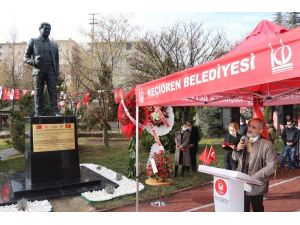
264 67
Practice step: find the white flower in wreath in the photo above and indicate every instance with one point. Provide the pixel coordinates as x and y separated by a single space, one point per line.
163 130
155 116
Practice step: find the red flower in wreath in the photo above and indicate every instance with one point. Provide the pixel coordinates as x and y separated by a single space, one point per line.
127 123
163 162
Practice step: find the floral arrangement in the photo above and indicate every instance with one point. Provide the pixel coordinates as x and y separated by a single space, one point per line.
128 127
154 116
164 164
161 129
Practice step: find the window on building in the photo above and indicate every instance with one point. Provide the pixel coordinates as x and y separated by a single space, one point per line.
128 46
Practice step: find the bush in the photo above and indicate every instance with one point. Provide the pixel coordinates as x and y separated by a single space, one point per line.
17 130
146 141
92 116
210 120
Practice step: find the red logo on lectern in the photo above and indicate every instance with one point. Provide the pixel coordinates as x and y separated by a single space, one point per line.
221 187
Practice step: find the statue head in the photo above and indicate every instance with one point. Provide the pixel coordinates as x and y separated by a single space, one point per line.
45 29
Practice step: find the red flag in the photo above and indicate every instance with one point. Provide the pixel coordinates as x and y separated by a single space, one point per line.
17 94
5 93
118 94
5 192
86 98
212 155
258 114
204 157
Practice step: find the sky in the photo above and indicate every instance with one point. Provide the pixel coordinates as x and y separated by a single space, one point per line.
70 18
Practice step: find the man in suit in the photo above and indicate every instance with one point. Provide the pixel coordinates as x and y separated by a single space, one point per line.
290 137
42 54
194 139
257 158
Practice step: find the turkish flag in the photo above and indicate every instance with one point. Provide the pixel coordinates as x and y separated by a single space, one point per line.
212 155
258 114
204 157
5 93
17 94
86 98
5 193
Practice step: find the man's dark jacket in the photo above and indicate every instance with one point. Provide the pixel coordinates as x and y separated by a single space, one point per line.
290 135
34 55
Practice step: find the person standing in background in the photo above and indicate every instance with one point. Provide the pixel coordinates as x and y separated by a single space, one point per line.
231 140
290 137
193 144
243 126
182 153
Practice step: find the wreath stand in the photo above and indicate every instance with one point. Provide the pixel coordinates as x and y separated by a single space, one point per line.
159 184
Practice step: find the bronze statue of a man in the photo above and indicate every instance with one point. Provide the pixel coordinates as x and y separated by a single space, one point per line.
42 54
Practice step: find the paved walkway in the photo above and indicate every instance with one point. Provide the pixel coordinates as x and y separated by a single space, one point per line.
6 153
283 196
70 204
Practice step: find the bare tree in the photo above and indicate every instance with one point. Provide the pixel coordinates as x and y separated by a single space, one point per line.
182 46
179 47
100 61
12 71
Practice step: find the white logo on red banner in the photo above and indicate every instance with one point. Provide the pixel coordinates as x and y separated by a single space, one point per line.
281 58
221 187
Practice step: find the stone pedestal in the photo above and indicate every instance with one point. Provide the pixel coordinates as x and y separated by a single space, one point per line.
52 162
51 149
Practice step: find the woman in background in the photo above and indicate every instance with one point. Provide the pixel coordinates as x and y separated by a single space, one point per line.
231 140
182 153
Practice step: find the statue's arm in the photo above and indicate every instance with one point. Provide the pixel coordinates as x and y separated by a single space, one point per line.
28 54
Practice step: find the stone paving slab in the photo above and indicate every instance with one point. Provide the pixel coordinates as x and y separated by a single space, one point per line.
6 153
70 204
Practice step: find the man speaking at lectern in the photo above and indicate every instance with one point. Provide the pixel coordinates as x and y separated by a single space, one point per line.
256 157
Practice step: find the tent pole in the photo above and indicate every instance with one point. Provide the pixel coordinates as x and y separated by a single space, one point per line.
137 157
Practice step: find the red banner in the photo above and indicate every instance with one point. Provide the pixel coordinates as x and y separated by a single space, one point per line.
255 71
